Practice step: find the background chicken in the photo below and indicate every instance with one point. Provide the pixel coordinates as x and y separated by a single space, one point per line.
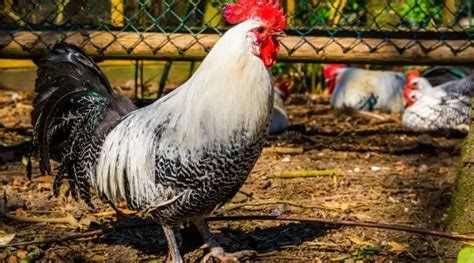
279 115
363 89
180 157
447 106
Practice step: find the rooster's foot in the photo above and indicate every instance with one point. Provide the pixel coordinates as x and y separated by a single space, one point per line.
219 254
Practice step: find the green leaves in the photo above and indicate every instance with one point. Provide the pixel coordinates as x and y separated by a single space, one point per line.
420 13
466 255
366 252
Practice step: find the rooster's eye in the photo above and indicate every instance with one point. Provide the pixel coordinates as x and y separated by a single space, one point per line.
260 29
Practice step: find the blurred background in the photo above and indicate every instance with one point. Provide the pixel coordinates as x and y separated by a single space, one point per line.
375 32
374 167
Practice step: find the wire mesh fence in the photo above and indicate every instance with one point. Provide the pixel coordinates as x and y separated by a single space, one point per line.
408 31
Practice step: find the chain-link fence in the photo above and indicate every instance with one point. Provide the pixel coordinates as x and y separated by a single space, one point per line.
371 31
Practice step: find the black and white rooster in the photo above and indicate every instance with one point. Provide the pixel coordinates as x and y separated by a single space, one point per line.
180 157
443 107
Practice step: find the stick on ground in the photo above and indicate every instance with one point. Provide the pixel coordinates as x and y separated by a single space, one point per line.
334 223
69 219
231 207
306 173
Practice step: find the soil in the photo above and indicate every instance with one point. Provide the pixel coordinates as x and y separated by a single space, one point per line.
385 173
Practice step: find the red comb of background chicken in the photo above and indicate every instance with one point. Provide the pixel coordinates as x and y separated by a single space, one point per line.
412 75
329 73
328 70
269 13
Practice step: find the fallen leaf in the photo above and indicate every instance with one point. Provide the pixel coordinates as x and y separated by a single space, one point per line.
336 205
397 247
20 212
22 254
24 160
363 217
44 179
5 238
339 258
361 242
12 259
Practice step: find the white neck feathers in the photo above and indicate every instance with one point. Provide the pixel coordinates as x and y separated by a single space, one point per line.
230 93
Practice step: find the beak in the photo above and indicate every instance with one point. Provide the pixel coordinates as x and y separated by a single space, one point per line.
279 34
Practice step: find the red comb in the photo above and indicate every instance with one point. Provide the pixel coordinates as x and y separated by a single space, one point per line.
414 73
268 12
410 75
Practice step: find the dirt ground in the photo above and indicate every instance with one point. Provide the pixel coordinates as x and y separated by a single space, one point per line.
385 174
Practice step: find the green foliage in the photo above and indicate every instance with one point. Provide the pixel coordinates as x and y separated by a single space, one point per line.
32 256
278 68
365 253
309 15
466 255
413 13
421 13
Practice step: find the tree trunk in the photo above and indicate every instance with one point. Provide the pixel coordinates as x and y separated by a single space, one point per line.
461 214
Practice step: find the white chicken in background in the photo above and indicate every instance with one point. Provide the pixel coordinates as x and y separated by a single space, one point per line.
444 107
279 115
361 89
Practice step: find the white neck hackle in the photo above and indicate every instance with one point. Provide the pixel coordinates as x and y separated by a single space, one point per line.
230 93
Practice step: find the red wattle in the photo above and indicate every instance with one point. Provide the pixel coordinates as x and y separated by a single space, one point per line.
268 51
331 86
406 95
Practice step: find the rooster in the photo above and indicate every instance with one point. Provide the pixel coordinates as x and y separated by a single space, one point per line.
179 158
444 107
363 89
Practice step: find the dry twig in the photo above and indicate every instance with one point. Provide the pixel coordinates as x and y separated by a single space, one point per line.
339 223
307 173
69 219
283 150
330 222
231 207
112 212
370 115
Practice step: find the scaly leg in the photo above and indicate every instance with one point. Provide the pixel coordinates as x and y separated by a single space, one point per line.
118 213
217 251
173 249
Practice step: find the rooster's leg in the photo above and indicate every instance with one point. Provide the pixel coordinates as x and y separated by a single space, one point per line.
217 251
173 249
119 213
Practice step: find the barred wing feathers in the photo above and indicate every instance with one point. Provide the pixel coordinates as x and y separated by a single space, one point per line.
442 107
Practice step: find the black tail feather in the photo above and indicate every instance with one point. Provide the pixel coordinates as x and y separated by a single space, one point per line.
43 129
71 61
73 112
